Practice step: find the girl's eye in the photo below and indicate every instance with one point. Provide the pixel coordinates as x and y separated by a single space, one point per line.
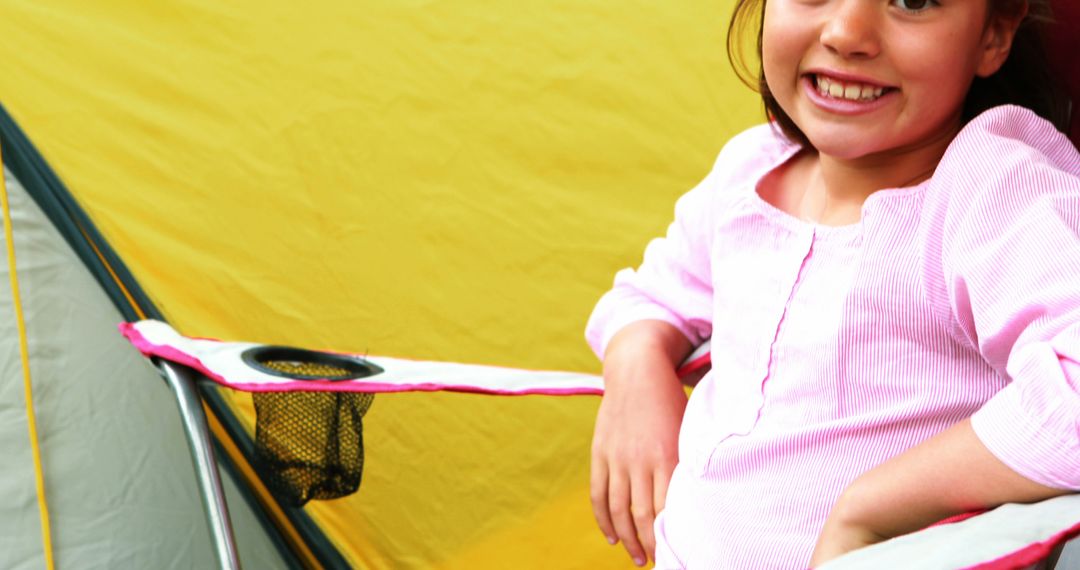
914 5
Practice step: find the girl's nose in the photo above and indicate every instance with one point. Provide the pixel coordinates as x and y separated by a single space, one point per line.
851 28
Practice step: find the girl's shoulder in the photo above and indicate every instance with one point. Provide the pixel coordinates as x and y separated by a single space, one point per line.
742 162
1008 141
1009 177
760 146
751 154
1005 159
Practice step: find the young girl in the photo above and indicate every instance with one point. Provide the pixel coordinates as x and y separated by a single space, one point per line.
890 276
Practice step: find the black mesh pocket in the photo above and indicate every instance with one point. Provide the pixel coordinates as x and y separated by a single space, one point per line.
310 445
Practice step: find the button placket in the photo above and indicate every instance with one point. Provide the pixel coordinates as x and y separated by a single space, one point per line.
800 255
786 281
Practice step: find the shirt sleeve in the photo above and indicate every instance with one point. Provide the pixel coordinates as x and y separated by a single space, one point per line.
1011 254
673 283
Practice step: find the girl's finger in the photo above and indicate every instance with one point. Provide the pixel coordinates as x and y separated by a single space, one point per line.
619 485
641 492
598 494
661 480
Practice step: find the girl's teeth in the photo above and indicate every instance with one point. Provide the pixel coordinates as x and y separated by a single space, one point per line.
850 91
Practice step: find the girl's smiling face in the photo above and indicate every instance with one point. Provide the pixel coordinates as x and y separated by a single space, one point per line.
878 77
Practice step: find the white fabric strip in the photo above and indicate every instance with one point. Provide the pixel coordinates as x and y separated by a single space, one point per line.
994 540
222 362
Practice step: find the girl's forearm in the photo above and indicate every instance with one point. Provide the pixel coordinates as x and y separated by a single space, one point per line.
948 474
635 443
648 338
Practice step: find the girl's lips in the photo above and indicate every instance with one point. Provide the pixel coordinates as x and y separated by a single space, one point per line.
851 98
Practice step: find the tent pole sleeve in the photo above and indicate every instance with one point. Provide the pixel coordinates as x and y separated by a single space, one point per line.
182 382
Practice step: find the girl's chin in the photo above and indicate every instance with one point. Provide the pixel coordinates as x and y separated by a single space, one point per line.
847 146
842 137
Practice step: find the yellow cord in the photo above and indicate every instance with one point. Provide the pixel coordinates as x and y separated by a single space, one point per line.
39 477
116 279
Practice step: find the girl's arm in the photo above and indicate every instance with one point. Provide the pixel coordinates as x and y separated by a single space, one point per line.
948 474
1006 245
643 328
635 443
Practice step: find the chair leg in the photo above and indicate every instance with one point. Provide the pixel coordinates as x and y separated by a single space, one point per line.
182 381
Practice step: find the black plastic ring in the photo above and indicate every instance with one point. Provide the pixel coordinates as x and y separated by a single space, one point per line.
356 367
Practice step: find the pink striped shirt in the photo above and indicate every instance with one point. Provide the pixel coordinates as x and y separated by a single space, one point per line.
835 348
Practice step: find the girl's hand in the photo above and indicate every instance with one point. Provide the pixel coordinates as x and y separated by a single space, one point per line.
842 534
635 443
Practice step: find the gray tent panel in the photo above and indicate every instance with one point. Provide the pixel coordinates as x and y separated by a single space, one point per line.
118 475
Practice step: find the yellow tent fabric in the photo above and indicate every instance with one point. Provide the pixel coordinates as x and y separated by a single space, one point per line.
437 180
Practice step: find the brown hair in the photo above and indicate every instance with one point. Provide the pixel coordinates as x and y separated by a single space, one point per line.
1024 79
